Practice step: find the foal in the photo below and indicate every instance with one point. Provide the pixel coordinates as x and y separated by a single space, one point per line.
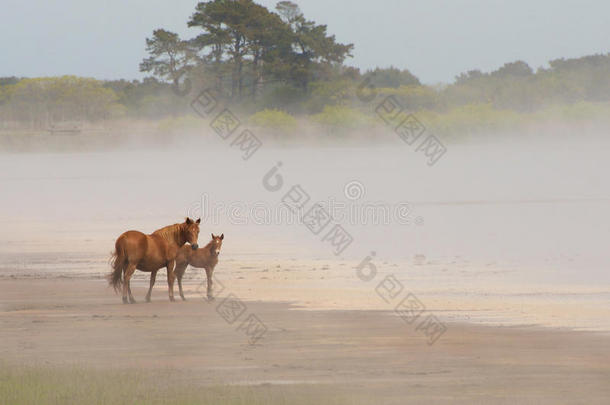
205 257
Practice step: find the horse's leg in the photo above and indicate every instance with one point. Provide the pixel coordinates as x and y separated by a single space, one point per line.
153 277
131 268
179 273
208 274
125 288
170 279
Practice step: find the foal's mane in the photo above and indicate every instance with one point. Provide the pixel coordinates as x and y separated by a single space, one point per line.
171 233
208 244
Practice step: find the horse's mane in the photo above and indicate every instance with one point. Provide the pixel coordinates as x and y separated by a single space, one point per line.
171 233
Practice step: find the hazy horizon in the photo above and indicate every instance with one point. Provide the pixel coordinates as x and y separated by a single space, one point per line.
424 37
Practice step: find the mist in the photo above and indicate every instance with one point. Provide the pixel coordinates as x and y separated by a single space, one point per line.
528 201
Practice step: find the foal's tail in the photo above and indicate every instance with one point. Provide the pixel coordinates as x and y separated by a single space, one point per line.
118 261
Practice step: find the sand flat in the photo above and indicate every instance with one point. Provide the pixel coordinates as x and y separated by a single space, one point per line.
71 321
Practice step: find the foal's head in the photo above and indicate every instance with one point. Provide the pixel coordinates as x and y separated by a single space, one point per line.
191 232
216 243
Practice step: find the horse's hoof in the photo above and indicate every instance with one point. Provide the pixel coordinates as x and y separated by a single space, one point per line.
183 299
125 300
172 299
210 298
132 301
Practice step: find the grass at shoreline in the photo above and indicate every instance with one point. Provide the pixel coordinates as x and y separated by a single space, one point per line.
38 385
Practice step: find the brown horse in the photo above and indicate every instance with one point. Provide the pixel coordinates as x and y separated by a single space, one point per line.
206 257
135 250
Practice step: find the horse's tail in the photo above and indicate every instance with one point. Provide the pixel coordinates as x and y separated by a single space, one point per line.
118 261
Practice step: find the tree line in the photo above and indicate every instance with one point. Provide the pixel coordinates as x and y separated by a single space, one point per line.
259 59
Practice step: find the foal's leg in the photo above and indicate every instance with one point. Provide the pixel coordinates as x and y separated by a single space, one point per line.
208 274
179 273
131 268
170 279
153 277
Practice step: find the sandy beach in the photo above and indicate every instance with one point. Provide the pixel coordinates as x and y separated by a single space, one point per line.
368 354
487 295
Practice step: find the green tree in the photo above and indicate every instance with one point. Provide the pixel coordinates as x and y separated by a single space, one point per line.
235 32
169 55
391 78
469 76
43 101
514 69
313 49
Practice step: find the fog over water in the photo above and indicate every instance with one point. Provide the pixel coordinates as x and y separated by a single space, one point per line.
539 204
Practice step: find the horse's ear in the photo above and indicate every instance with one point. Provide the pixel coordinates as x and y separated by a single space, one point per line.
188 221
222 236
213 236
198 221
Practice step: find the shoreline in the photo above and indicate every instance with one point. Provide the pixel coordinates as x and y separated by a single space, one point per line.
65 323
324 285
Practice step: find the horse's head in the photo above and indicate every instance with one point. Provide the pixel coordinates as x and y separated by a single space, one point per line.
191 232
216 243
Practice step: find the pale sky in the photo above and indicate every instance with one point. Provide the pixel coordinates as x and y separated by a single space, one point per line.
434 39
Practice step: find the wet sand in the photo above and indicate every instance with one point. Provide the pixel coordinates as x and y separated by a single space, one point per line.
371 354
510 253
